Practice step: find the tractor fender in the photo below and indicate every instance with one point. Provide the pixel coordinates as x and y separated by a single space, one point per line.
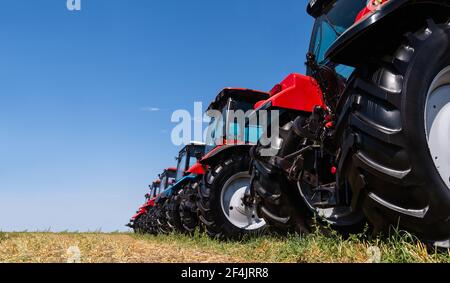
139 213
197 169
144 208
221 152
175 187
296 94
381 30
149 204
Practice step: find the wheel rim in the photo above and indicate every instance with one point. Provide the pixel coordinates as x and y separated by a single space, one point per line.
231 199
437 123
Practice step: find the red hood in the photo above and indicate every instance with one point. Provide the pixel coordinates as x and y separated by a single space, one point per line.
296 92
197 169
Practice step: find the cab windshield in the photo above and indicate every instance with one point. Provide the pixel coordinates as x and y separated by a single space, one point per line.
230 129
158 190
163 184
181 166
335 20
154 190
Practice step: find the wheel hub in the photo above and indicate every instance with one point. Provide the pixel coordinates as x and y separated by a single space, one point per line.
437 123
232 199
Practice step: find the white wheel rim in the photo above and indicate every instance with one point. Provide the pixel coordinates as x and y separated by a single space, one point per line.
437 123
231 199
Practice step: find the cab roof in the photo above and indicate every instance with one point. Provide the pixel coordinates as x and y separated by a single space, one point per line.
315 7
241 94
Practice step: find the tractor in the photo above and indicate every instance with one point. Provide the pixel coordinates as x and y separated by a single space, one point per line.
139 221
136 221
223 200
365 135
168 202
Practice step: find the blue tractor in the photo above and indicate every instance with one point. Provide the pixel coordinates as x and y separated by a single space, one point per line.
167 205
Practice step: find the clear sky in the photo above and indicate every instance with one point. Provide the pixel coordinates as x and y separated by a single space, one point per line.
86 96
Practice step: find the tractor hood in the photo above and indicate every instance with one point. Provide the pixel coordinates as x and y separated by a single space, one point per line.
296 92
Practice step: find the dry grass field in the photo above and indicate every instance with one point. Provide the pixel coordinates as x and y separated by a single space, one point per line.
46 247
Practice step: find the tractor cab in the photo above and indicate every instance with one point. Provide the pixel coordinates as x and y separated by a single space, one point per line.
325 79
225 127
167 179
154 189
336 22
332 19
187 157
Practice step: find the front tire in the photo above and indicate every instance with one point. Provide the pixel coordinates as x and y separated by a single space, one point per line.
277 198
173 213
138 225
161 217
188 208
150 225
221 207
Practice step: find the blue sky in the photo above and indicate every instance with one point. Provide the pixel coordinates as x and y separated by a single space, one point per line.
80 139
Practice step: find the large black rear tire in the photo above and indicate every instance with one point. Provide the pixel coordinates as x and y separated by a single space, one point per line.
390 150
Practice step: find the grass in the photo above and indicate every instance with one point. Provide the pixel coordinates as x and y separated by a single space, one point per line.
315 248
125 247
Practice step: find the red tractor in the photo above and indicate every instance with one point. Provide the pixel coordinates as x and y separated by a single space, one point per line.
213 192
139 221
223 201
136 221
365 135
